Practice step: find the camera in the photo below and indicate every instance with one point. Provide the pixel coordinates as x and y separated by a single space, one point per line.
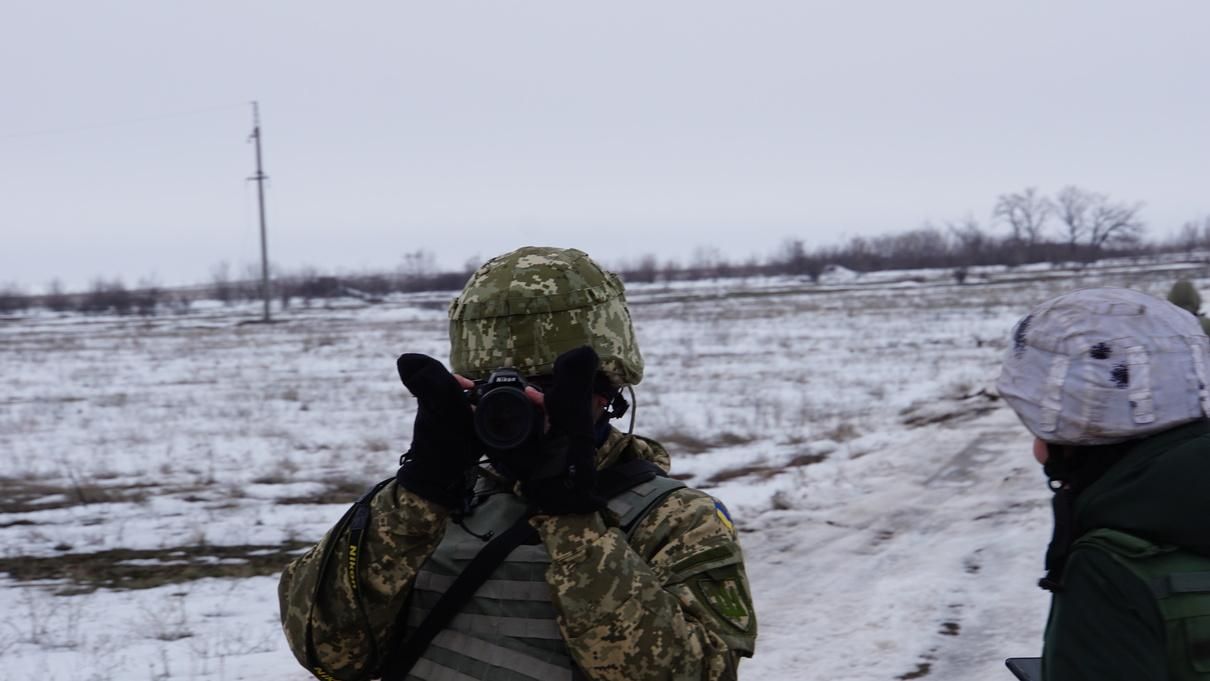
505 418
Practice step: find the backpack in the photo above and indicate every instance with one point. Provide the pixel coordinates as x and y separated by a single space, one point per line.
1179 580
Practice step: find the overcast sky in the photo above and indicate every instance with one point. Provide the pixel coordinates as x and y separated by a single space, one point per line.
467 129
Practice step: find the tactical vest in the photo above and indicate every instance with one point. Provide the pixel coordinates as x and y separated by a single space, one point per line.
508 630
1180 582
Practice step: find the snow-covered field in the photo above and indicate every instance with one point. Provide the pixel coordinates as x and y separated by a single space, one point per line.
156 474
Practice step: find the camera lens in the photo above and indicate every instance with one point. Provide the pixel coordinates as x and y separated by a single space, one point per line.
504 418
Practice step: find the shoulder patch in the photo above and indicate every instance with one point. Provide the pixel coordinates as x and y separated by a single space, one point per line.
724 515
727 601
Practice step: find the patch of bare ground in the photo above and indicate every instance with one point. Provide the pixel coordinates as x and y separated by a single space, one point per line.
922 670
841 432
121 569
680 442
923 667
963 408
764 471
26 496
683 443
342 491
806 460
1014 508
759 471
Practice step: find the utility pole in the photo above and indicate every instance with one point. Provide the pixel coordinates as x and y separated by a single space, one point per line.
260 178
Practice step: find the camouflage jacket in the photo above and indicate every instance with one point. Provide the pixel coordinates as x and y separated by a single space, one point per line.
672 602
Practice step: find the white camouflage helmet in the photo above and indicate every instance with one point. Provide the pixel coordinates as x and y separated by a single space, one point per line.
1105 365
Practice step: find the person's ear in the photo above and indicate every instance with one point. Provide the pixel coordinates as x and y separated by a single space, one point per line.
1041 451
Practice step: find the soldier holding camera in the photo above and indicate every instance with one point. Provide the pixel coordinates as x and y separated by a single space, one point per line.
567 555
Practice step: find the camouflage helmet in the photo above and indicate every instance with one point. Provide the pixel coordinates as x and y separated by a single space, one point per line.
525 308
1106 365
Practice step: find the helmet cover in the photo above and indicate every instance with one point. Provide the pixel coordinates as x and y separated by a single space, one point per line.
525 308
1105 365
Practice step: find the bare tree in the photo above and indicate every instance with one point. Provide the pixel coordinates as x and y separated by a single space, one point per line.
643 270
13 298
146 298
1092 218
970 241
1114 224
251 284
1026 214
56 300
107 296
418 263
1073 205
1190 236
671 271
416 268
220 283
925 246
858 254
708 262
793 256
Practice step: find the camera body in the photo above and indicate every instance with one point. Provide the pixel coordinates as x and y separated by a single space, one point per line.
505 418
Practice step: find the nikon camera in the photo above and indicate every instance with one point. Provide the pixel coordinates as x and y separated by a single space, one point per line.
505 419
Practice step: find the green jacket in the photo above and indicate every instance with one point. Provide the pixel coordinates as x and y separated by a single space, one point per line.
1105 624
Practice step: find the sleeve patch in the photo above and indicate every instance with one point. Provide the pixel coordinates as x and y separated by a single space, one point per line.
724 515
727 601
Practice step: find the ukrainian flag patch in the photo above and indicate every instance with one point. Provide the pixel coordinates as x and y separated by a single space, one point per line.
724 515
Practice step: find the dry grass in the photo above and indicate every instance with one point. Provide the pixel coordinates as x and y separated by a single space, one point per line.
841 432
376 444
27 496
336 491
681 442
80 573
762 471
759 471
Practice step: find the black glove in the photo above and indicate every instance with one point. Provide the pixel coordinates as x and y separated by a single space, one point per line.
565 480
444 447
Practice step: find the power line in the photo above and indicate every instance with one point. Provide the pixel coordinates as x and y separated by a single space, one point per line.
119 123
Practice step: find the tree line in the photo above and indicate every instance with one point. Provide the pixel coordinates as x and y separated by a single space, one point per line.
1072 225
